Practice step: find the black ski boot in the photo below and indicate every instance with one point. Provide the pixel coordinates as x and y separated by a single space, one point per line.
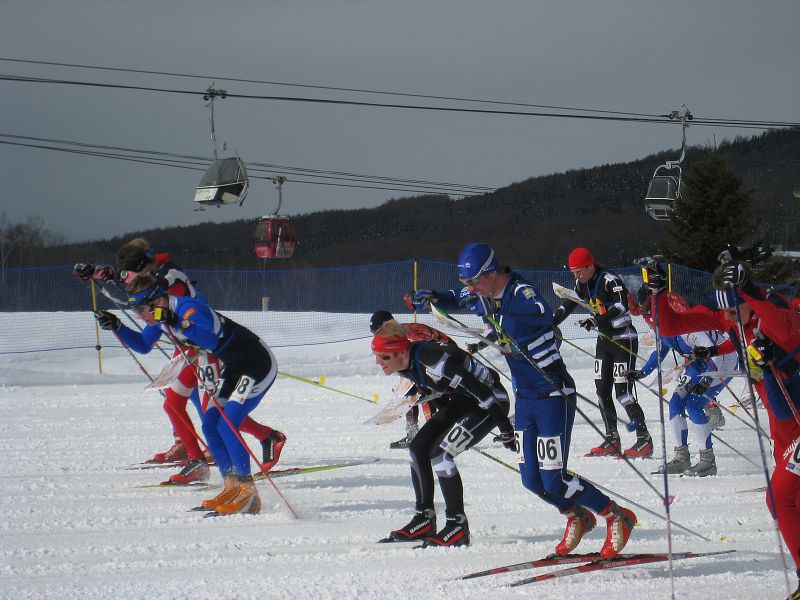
455 533
422 525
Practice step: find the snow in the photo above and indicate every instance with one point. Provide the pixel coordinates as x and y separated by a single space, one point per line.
77 524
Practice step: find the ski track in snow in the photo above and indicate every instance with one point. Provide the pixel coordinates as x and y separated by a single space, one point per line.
76 526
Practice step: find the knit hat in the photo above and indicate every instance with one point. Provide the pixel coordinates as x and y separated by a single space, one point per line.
379 318
475 260
579 258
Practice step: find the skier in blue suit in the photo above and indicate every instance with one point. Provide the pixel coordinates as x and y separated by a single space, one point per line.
519 317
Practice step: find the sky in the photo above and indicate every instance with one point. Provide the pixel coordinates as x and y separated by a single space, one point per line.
726 59
78 523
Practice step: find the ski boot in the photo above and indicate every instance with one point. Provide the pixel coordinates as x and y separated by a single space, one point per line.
715 417
422 524
642 447
579 522
707 465
271 449
679 464
411 432
619 524
195 471
177 452
229 492
455 533
611 446
246 500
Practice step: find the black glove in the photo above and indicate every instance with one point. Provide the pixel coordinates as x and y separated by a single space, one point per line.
653 275
107 321
703 353
83 271
633 374
473 348
105 273
508 439
163 314
588 324
734 274
701 387
761 352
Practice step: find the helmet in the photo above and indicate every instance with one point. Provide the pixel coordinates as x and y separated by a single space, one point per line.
475 260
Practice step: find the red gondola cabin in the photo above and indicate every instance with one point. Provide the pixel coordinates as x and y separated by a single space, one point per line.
274 238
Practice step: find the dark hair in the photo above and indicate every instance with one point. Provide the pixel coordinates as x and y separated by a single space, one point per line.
134 255
379 318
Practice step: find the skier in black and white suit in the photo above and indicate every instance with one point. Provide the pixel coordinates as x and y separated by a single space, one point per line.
617 345
473 402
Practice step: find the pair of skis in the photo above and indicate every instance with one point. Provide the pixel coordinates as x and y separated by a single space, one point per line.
586 564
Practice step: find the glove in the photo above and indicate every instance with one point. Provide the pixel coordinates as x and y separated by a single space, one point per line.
83 271
105 273
701 387
508 439
588 324
633 374
760 352
420 300
162 314
481 305
473 348
703 353
734 274
107 321
653 275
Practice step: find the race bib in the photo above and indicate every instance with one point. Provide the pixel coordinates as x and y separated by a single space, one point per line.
208 374
598 367
520 438
457 440
793 466
243 389
619 372
548 453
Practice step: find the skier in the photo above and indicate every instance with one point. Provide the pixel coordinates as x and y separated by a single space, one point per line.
617 345
772 343
249 369
416 332
518 316
134 257
704 351
473 402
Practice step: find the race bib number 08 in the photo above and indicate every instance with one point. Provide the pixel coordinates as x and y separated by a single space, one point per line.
548 453
456 441
243 389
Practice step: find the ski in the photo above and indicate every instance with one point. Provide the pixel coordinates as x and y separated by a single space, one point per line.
275 473
171 484
548 561
626 560
146 466
753 490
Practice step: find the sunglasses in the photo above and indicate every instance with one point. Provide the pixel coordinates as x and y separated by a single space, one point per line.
384 357
472 280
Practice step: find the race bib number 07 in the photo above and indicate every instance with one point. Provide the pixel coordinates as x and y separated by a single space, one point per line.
456 441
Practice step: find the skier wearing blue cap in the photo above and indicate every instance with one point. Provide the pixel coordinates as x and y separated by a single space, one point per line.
517 315
249 369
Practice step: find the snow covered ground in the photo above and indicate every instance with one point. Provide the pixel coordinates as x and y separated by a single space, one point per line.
77 524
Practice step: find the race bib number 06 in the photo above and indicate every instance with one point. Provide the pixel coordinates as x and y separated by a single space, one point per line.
548 453
243 389
456 441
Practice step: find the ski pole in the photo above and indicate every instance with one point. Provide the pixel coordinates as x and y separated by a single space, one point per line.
235 431
327 387
659 343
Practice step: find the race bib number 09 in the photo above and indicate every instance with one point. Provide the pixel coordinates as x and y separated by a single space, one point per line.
548 453
456 441
243 389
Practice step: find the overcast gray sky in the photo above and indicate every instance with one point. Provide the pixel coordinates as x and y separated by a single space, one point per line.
723 58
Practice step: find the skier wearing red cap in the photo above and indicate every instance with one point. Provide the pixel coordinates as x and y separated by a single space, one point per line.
473 402
615 353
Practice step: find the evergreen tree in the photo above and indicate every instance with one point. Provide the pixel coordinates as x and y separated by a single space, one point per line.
712 213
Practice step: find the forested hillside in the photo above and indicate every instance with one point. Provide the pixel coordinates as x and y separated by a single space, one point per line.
532 223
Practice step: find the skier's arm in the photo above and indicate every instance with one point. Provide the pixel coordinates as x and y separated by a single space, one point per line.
139 341
563 311
698 318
